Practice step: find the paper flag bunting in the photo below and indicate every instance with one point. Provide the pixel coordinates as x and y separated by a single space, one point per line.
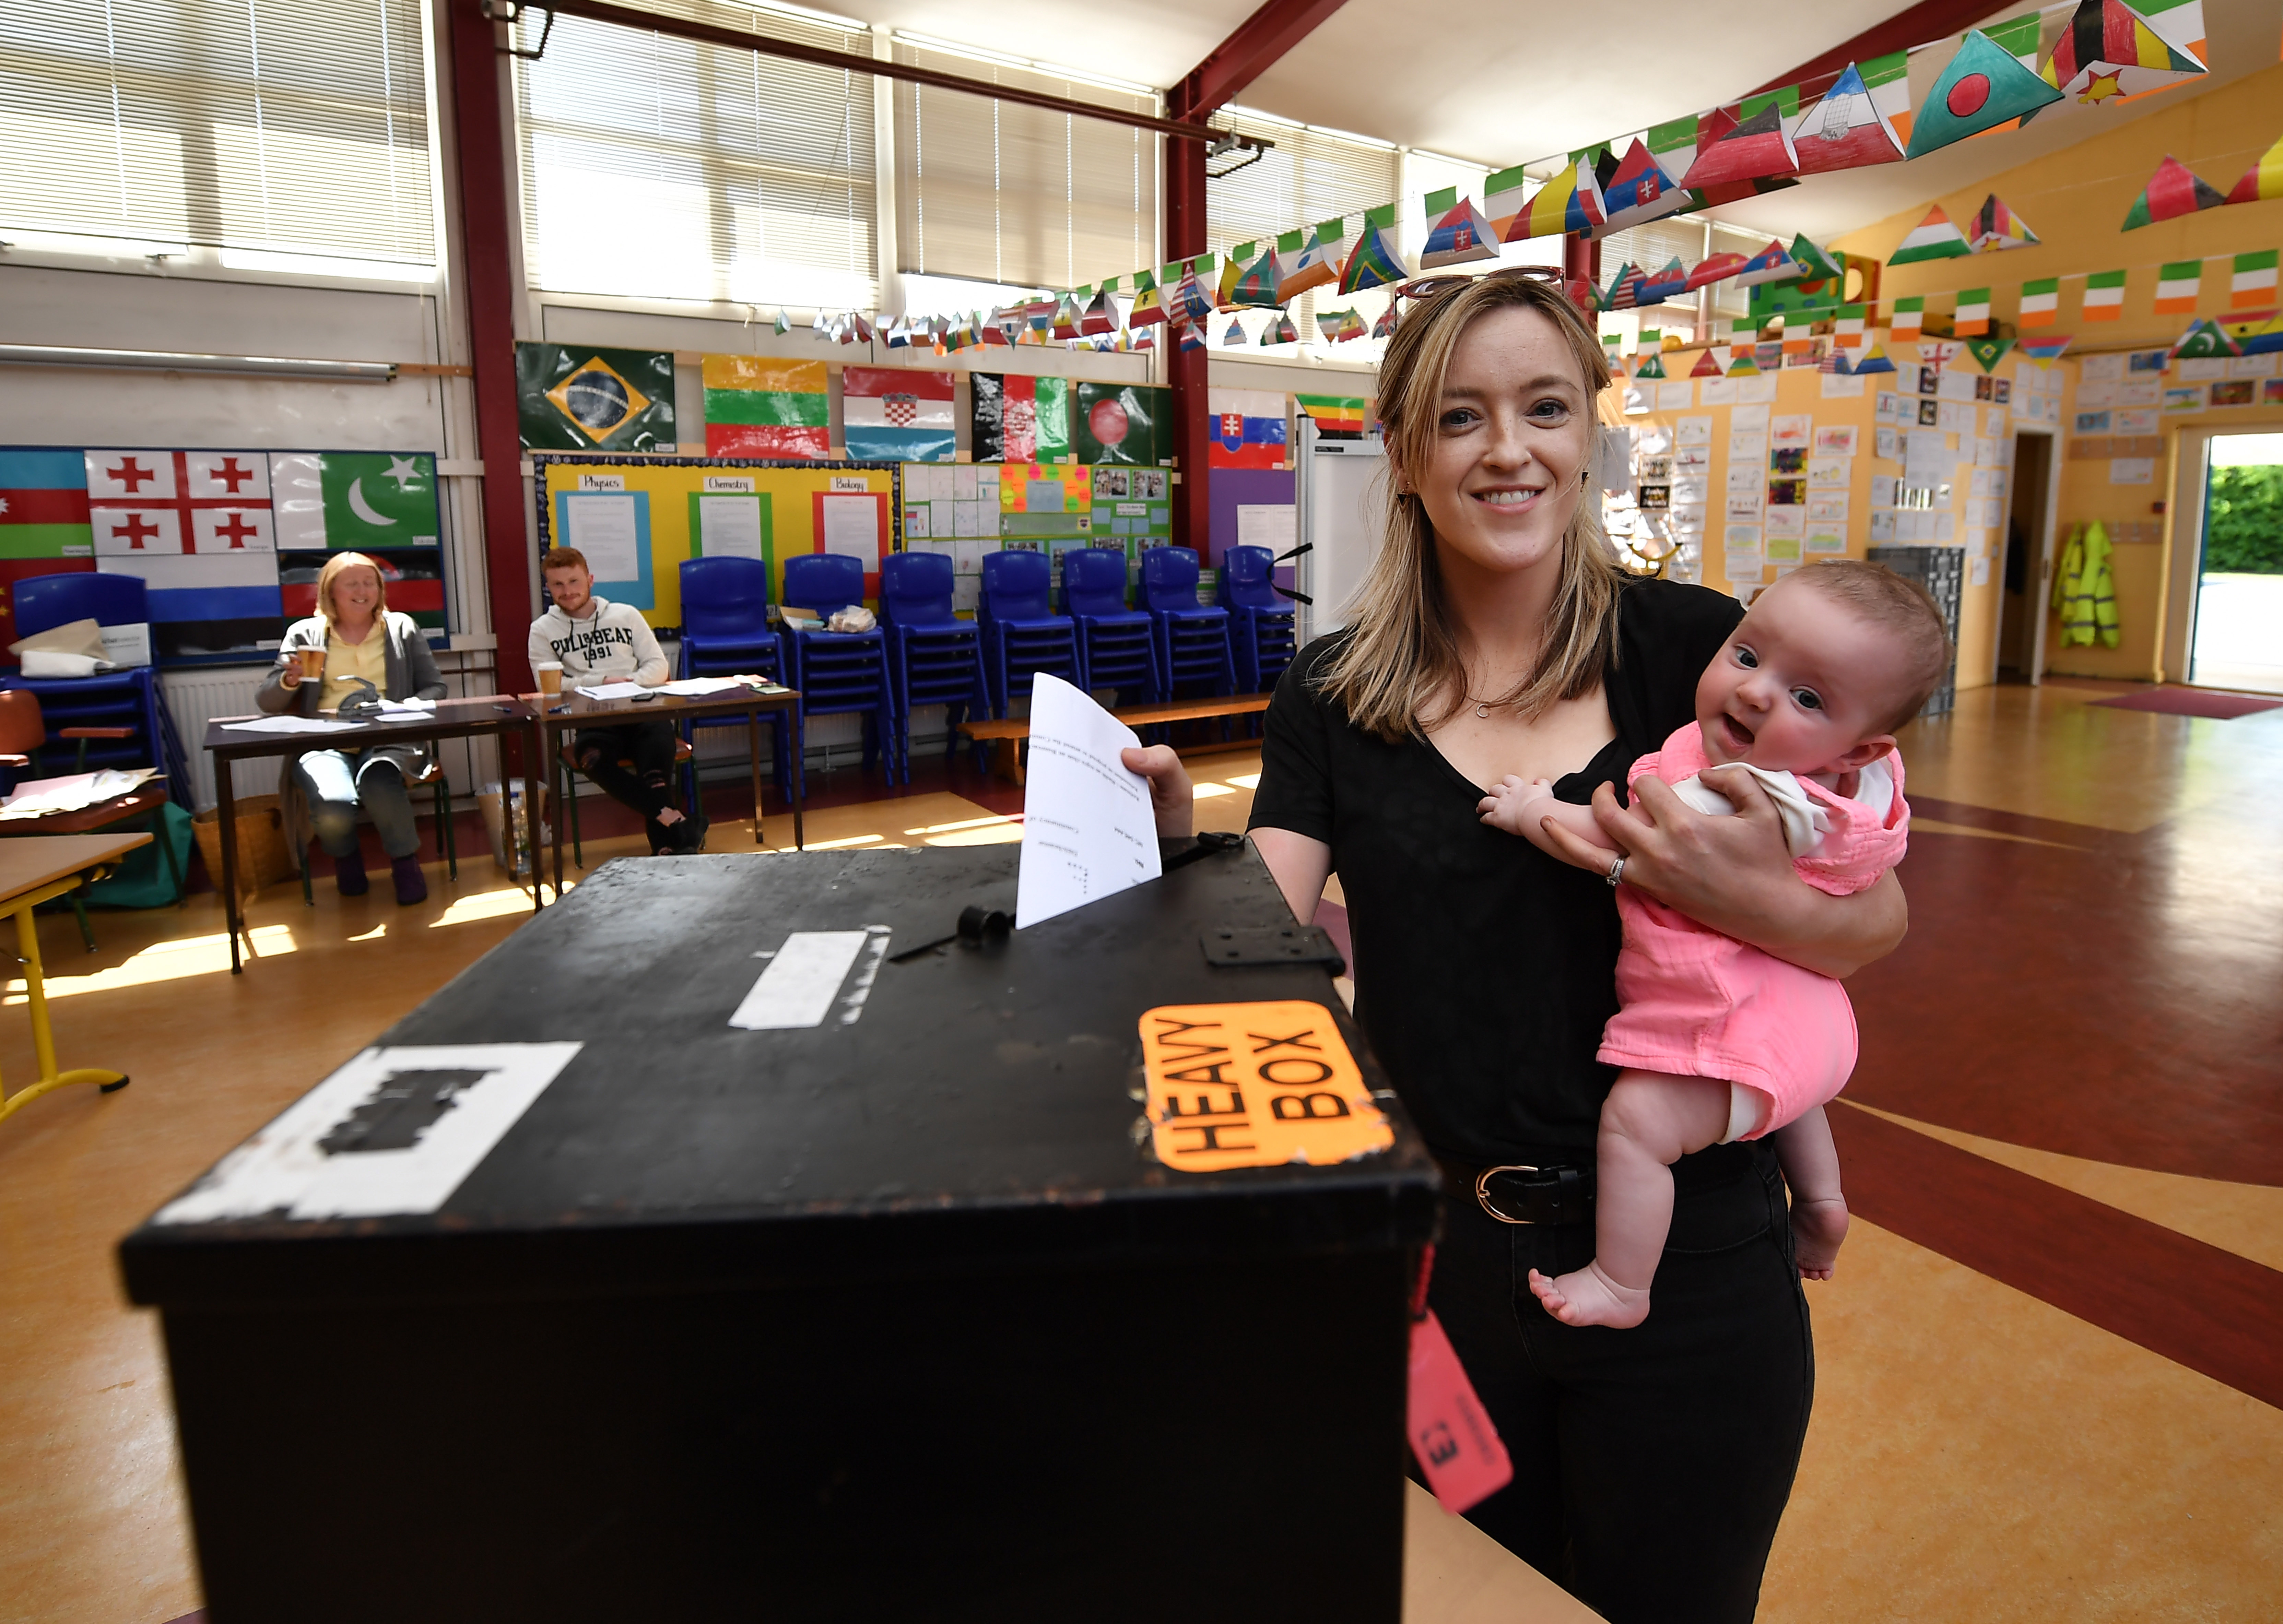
1984 86
782 324
1637 192
1751 150
1705 366
1814 263
2106 49
1100 316
1067 318
2104 296
2041 302
1317 264
1651 365
1772 263
1385 328
2263 180
1933 238
1328 323
1236 337
1875 360
2204 340
1973 318
1834 361
2045 351
2264 339
2251 284
1371 263
1744 340
1909 315
1988 352
1847 129
1461 236
1192 335
1718 267
1669 282
1255 288
1505 195
1996 228
1191 303
2177 284
1570 202
1624 289
1847 327
1283 330
1940 353
2173 192
1148 311
1232 270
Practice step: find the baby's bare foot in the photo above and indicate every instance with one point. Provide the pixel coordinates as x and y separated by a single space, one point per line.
1818 1227
1589 1297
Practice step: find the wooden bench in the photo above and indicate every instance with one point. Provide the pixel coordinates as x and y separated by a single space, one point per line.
1008 764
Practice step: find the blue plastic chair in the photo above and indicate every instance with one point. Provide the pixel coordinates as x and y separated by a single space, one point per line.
1115 647
1192 637
1260 619
934 657
726 633
1022 636
112 699
839 673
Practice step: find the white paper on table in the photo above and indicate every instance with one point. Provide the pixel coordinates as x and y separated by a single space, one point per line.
289 724
612 690
729 526
852 528
73 792
1088 828
697 687
601 528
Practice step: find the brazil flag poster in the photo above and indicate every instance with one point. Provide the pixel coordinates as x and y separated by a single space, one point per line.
570 398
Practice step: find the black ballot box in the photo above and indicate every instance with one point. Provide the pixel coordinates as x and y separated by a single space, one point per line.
702 1254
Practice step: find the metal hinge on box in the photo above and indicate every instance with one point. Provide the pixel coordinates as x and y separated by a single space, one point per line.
1245 947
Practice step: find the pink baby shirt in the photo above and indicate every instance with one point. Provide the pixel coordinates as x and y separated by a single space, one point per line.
1698 1003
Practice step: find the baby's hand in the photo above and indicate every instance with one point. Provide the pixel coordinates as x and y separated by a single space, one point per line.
1818 1228
1513 804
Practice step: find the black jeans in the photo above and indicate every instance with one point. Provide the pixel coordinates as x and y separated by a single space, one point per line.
1650 1465
647 785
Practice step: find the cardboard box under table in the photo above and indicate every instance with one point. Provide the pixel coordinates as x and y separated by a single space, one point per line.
570 1299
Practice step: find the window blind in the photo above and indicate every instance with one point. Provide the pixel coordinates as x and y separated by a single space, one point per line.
1309 175
998 191
294 129
663 168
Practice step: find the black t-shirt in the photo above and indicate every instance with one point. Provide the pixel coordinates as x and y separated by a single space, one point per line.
1484 969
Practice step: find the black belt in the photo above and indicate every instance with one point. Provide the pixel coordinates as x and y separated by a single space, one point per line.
1517 1193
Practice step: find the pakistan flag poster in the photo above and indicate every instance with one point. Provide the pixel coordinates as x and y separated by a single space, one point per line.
571 398
381 503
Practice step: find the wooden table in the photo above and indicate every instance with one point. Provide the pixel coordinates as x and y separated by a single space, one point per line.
1014 729
570 711
476 716
31 872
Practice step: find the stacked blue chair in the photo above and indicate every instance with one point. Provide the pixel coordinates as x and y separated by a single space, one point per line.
1191 638
839 673
1115 646
1260 628
726 633
128 698
1022 635
934 657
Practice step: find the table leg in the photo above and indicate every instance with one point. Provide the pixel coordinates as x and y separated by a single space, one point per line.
44 1043
226 810
547 753
537 745
753 752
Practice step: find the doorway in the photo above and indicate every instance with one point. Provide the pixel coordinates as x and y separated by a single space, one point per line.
2029 561
2236 639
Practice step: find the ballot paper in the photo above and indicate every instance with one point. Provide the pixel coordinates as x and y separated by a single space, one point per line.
288 723
612 690
1087 829
405 709
697 687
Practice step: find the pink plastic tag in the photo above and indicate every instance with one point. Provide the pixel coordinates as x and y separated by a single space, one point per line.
1450 1434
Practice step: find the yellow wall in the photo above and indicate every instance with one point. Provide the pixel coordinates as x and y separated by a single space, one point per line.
2075 200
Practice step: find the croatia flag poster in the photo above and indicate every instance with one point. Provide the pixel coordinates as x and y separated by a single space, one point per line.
896 416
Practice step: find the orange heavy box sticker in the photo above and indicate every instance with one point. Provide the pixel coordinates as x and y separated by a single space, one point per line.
1255 1086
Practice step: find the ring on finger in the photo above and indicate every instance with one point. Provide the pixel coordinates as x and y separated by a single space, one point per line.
1616 877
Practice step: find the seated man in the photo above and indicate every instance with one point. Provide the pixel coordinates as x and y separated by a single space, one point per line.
599 642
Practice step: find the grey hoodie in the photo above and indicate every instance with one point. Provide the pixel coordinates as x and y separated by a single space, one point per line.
611 642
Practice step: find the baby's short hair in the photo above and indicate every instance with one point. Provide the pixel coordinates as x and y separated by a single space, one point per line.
1902 608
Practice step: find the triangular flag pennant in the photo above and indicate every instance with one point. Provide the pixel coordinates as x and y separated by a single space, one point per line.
1191 303
1705 366
1462 235
1973 318
1232 270
1814 263
1940 353
2263 339
1505 195
1847 129
1328 323
2173 192
1875 360
1318 263
1385 328
2203 341
1984 86
1067 318
1372 263
1255 288
1235 337
2106 49
1772 263
1997 228
1720 267
1286 331
1624 289
1149 309
1192 335
1638 191
2045 351
1669 282
1756 148
783 323
1743 340
1569 203
1100 316
1652 366
1933 238
2263 180
1988 352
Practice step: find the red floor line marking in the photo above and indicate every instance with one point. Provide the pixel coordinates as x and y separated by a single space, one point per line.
2194 1303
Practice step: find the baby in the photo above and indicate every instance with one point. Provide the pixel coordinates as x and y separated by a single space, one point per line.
1717 1040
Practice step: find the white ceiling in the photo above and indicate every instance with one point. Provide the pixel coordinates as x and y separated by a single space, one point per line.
1499 83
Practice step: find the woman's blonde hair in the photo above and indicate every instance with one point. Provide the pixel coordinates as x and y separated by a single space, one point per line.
331 572
1400 672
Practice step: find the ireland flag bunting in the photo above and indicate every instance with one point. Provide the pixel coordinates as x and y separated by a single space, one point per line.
2252 285
2104 296
2041 302
2176 286
1910 316
1973 318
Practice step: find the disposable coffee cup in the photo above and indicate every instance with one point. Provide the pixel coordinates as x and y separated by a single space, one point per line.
549 674
313 663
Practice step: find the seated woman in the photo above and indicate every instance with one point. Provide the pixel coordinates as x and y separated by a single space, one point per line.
359 637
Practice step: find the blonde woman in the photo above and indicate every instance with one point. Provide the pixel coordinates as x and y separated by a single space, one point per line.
1494 636
360 636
